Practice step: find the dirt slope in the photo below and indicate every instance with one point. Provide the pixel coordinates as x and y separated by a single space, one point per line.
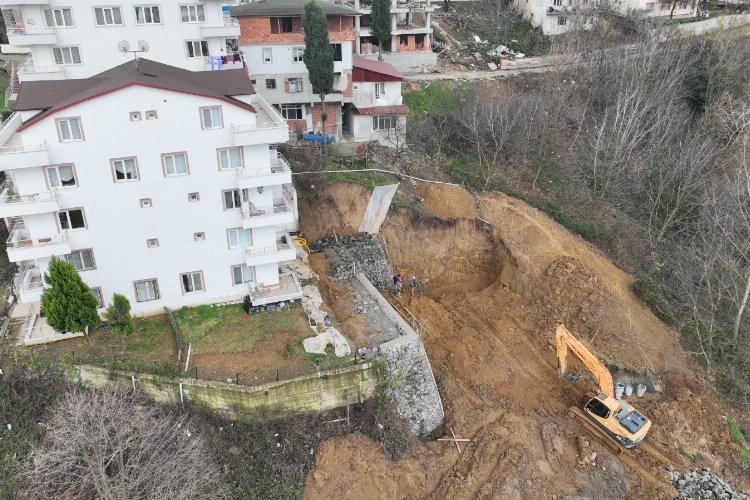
494 293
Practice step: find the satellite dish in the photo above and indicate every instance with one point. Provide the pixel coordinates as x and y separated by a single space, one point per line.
123 46
143 45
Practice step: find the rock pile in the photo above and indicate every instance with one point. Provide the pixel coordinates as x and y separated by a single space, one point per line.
702 483
361 252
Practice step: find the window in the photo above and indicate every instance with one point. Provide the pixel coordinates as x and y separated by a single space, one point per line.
562 21
232 199
379 90
69 129
108 16
175 164
58 18
147 14
557 2
383 123
97 292
82 260
199 236
404 39
146 203
61 176
270 83
267 55
135 116
67 55
146 290
337 53
125 169
683 5
192 14
294 85
152 243
238 237
152 114
281 25
242 274
192 282
197 48
230 158
649 7
291 111
666 5
193 197
72 219
298 54
211 117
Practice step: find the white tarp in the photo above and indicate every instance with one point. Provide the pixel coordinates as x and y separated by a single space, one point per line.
377 209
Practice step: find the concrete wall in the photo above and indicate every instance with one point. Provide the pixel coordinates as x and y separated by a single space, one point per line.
332 389
714 24
407 62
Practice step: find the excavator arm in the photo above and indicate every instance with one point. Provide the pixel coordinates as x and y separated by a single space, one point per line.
564 341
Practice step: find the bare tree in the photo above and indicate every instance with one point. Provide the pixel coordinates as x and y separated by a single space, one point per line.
113 444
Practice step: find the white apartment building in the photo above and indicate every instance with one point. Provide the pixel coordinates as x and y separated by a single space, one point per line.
80 39
154 182
559 16
377 112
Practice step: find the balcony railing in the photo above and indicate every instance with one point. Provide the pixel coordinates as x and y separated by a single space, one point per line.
278 247
250 211
278 166
21 28
227 22
31 148
288 288
19 237
28 66
250 127
29 279
8 194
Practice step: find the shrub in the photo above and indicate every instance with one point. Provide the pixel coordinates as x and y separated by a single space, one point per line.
119 314
68 303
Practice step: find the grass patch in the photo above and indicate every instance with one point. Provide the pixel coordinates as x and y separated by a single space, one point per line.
368 179
436 96
739 438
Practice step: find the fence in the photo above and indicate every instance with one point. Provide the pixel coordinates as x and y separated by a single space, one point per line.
177 337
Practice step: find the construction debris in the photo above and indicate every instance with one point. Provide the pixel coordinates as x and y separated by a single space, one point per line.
702 483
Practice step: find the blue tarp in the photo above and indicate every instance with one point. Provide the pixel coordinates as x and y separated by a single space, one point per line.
317 138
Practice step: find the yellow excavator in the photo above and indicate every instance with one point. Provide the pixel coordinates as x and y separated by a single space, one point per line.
616 421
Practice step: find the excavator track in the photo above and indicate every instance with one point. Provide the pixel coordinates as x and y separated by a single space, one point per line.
602 436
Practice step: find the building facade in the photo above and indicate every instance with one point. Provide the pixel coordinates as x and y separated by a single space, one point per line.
80 39
272 41
560 16
154 182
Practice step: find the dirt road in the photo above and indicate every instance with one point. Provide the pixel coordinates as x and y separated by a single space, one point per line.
493 296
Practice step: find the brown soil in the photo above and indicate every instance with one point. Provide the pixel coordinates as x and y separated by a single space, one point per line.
493 297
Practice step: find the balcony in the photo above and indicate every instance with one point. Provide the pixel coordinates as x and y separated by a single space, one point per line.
278 173
280 214
4 3
27 156
288 288
29 284
14 205
29 72
23 35
21 246
269 127
228 28
282 251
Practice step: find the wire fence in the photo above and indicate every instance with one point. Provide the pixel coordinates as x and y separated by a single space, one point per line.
178 338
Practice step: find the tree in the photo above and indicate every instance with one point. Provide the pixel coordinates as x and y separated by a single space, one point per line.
118 312
113 443
67 303
318 55
381 23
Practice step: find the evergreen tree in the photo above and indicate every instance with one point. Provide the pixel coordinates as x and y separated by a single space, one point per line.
318 55
381 23
118 313
67 303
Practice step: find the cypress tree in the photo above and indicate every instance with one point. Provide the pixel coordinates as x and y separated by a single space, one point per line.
318 55
381 23
67 303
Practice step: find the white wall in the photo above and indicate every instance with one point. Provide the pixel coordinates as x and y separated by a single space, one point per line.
118 227
364 94
361 130
98 44
283 62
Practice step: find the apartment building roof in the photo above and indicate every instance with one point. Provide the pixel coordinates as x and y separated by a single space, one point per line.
367 70
263 8
51 96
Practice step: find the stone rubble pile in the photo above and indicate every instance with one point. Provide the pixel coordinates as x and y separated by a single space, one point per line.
702 483
362 253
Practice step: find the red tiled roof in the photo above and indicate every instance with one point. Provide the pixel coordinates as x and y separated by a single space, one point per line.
398 109
55 95
370 66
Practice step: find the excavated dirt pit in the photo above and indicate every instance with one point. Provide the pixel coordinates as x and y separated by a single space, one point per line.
493 296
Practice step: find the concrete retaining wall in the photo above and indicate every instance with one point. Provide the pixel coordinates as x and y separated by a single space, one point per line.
331 389
413 386
718 23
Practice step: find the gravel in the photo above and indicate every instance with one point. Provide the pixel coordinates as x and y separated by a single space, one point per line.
363 251
702 483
